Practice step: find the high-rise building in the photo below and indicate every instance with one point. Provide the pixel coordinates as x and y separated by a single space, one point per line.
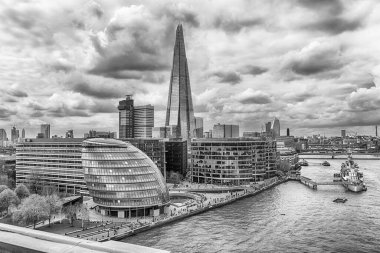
23 133
45 130
3 135
343 133
143 121
180 110
251 134
268 126
275 129
198 127
225 131
70 133
126 117
135 121
176 157
14 134
287 132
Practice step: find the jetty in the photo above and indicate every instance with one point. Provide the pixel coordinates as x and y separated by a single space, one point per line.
312 184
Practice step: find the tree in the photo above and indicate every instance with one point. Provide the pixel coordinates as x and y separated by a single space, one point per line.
48 190
3 187
71 212
7 199
22 191
54 205
32 209
284 166
84 213
34 182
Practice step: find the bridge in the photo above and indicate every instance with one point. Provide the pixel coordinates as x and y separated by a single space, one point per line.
310 183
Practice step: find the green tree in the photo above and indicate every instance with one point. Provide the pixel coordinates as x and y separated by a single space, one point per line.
3 187
84 213
32 209
283 166
34 182
22 191
7 199
54 204
48 190
71 212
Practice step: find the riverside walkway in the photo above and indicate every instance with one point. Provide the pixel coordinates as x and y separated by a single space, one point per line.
204 200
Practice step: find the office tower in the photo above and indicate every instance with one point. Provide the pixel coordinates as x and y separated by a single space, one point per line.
45 130
287 132
159 132
176 157
3 135
143 121
268 127
180 110
275 129
198 127
343 133
14 136
126 117
70 133
225 131
23 133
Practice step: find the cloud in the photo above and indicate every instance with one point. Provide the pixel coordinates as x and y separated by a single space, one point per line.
230 77
232 24
253 70
250 96
17 93
364 100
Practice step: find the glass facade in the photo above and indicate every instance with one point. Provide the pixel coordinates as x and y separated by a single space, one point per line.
232 161
120 176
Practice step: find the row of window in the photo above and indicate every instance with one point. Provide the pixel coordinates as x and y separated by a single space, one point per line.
126 195
119 171
124 187
129 202
119 164
120 179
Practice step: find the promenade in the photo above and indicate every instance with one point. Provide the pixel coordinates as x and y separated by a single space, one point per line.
111 228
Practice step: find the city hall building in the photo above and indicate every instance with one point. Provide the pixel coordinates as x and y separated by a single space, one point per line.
123 181
232 161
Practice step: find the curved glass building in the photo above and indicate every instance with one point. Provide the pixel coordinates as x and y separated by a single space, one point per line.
122 180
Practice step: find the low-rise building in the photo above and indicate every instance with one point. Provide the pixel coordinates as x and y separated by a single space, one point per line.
232 161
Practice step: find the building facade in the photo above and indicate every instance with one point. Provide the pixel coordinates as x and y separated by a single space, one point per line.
275 129
51 162
198 127
126 117
180 110
225 131
176 157
143 121
232 161
122 180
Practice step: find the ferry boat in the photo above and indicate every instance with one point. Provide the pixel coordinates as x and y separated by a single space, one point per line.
303 163
352 179
326 163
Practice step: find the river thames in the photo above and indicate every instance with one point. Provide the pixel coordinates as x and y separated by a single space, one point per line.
287 218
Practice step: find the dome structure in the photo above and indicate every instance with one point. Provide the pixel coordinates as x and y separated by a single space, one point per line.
122 180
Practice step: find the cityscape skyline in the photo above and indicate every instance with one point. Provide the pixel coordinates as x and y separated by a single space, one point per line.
329 62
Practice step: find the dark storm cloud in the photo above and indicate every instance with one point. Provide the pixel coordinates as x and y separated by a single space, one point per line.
97 92
333 7
334 25
64 111
5 113
234 25
17 93
228 77
36 115
253 70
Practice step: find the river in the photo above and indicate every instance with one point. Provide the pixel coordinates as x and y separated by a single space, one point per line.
287 218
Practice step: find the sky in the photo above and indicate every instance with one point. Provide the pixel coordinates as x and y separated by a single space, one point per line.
314 64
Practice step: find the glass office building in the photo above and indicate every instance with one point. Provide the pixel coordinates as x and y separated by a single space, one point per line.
122 180
232 161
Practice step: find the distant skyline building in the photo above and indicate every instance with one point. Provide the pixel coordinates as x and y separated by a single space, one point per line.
343 133
15 134
198 127
3 135
275 128
99 134
70 133
251 134
268 127
180 110
287 132
45 130
126 117
225 131
23 133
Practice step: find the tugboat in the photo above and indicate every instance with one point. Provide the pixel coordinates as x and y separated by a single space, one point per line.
340 200
303 163
352 179
326 163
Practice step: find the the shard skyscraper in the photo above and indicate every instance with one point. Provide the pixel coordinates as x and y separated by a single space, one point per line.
180 110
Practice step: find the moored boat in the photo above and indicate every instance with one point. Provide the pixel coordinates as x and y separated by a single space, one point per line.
303 163
326 163
352 179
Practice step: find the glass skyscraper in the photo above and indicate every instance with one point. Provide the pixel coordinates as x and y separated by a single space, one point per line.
180 110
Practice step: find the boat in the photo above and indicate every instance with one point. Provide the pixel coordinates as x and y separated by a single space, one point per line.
326 163
340 200
352 179
303 163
